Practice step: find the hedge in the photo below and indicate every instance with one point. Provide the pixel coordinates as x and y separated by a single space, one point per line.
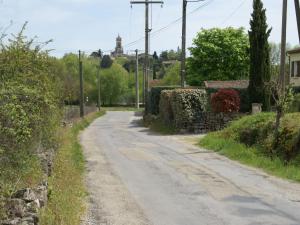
186 104
258 130
296 90
165 107
244 97
180 107
155 98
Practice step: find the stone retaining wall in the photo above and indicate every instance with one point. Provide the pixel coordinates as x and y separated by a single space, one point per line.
205 122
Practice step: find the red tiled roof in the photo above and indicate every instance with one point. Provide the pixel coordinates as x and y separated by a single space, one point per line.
238 84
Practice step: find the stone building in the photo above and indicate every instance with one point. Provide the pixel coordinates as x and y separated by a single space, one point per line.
294 61
119 51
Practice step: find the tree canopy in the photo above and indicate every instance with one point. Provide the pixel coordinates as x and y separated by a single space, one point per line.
218 54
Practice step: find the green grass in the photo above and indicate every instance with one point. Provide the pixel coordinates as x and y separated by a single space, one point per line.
251 156
67 198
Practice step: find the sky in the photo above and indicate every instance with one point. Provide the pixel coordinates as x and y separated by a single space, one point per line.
89 25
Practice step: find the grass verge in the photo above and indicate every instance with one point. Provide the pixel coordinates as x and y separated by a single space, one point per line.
251 156
66 185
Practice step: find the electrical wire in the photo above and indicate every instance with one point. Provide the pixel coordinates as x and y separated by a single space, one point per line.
158 31
233 12
155 33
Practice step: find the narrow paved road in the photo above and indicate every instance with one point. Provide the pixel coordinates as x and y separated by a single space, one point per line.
136 177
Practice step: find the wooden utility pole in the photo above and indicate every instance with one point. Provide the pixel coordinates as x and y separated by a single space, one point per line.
297 8
283 46
99 87
183 46
137 97
146 62
81 100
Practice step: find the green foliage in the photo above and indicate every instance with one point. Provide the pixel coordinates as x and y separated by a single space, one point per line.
186 105
259 56
106 62
295 105
172 76
250 156
114 84
68 195
30 101
258 131
155 98
29 95
218 54
170 55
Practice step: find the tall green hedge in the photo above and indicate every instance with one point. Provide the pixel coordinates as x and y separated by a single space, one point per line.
187 104
155 98
180 107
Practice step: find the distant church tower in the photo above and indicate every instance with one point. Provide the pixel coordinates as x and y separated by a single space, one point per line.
119 49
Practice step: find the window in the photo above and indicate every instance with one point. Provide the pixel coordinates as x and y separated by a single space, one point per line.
295 69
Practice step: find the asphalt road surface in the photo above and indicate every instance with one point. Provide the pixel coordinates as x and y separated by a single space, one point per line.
136 177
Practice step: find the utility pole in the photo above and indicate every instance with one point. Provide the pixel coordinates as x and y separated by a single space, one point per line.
137 79
146 63
183 47
297 8
99 81
81 100
283 46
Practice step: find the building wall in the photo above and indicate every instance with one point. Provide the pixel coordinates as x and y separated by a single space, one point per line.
295 81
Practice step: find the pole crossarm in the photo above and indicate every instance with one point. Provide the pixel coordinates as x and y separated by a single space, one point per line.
146 2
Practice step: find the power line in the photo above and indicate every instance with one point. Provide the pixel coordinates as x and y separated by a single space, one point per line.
156 32
234 12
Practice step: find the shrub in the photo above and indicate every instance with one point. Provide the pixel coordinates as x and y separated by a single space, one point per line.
226 101
106 62
186 105
295 106
165 107
155 98
258 130
245 105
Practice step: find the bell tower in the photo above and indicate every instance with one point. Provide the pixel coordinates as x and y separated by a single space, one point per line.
119 49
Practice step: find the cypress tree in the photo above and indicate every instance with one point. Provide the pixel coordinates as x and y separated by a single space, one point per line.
259 56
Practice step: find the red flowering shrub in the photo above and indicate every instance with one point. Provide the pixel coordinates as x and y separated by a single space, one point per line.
226 101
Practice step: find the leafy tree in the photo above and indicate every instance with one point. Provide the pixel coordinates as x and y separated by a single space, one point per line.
156 65
114 84
106 62
218 54
172 76
259 56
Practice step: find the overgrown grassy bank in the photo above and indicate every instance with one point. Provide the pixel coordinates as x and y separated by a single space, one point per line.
67 191
250 141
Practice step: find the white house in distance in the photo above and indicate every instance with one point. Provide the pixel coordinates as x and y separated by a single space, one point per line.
294 62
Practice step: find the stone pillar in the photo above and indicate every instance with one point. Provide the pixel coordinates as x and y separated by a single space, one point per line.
256 108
